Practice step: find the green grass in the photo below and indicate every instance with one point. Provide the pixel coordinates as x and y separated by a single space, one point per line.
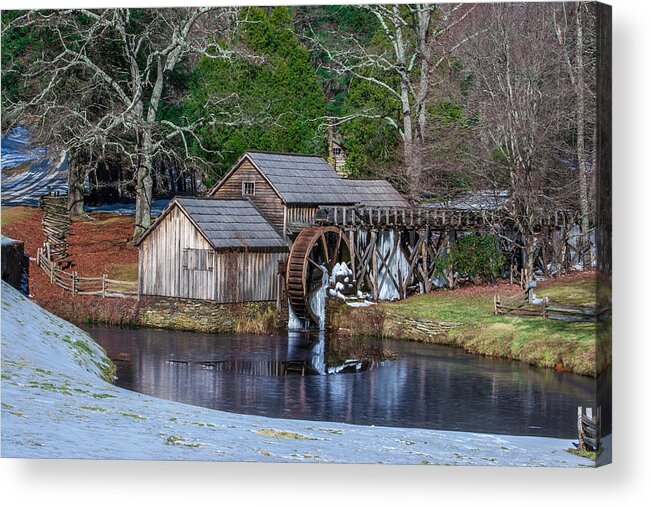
581 291
592 455
93 409
132 416
176 440
548 343
13 214
267 432
123 272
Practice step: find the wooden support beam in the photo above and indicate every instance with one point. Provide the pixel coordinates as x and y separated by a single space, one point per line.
365 261
386 263
374 265
353 252
426 279
413 257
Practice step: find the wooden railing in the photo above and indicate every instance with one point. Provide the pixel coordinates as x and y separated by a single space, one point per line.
519 306
436 218
70 281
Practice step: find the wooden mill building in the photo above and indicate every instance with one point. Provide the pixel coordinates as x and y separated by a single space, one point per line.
231 246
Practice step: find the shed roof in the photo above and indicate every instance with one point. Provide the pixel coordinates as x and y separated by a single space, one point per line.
227 224
302 179
376 193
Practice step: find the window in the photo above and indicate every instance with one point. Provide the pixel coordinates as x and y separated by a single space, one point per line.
338 151
248 188
198 259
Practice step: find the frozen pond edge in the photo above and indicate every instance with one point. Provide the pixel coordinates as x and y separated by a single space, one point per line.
55 404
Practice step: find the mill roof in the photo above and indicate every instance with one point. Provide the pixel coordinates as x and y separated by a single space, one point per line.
309 179
376 193
301 179
227 224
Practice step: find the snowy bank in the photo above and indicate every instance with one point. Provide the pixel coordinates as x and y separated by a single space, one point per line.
56 404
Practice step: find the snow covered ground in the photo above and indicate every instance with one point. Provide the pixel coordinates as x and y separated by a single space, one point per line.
157 207
29 171
56 404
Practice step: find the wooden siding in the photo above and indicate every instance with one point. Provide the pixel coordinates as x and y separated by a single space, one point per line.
161 260
236 276
299 217
247 276
266 199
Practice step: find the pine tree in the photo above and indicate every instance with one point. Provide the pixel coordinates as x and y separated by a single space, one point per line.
273 99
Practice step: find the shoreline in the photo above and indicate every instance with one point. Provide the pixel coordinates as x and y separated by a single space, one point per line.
53 371
574 348
463 318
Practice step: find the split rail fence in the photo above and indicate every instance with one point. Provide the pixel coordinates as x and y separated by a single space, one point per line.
519 306
70 281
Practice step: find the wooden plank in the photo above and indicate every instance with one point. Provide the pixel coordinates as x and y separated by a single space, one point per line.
573 311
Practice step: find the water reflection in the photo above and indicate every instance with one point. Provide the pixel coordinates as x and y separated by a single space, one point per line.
425 386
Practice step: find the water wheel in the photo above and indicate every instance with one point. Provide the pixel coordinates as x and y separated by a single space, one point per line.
314 249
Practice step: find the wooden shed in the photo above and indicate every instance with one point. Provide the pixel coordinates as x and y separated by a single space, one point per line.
219 250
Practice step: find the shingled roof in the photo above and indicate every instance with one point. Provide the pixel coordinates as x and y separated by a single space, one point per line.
376 193
302 179
227 224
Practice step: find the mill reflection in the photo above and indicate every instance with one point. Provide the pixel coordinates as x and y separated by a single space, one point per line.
385 383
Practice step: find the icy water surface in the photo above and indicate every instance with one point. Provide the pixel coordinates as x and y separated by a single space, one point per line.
286 376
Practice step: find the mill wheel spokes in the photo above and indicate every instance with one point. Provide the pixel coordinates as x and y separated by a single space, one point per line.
314 253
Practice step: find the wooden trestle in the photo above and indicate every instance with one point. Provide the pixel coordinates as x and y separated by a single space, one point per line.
395 249
420 236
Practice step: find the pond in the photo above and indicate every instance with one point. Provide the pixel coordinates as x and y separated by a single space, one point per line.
371 382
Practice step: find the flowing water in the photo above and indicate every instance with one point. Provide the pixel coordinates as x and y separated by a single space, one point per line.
286 376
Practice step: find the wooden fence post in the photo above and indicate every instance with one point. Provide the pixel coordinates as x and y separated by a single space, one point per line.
74 284
589 428
104 285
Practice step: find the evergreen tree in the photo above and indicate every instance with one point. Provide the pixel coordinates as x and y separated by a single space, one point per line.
273 105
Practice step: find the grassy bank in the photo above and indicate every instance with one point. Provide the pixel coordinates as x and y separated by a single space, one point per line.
467 321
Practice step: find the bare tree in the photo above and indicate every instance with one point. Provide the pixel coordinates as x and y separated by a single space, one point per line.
418 39
571 30
120 62
520 94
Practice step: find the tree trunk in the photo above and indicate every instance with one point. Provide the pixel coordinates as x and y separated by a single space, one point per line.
331 147
144 188
580 145
412 168
529 257
76 179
